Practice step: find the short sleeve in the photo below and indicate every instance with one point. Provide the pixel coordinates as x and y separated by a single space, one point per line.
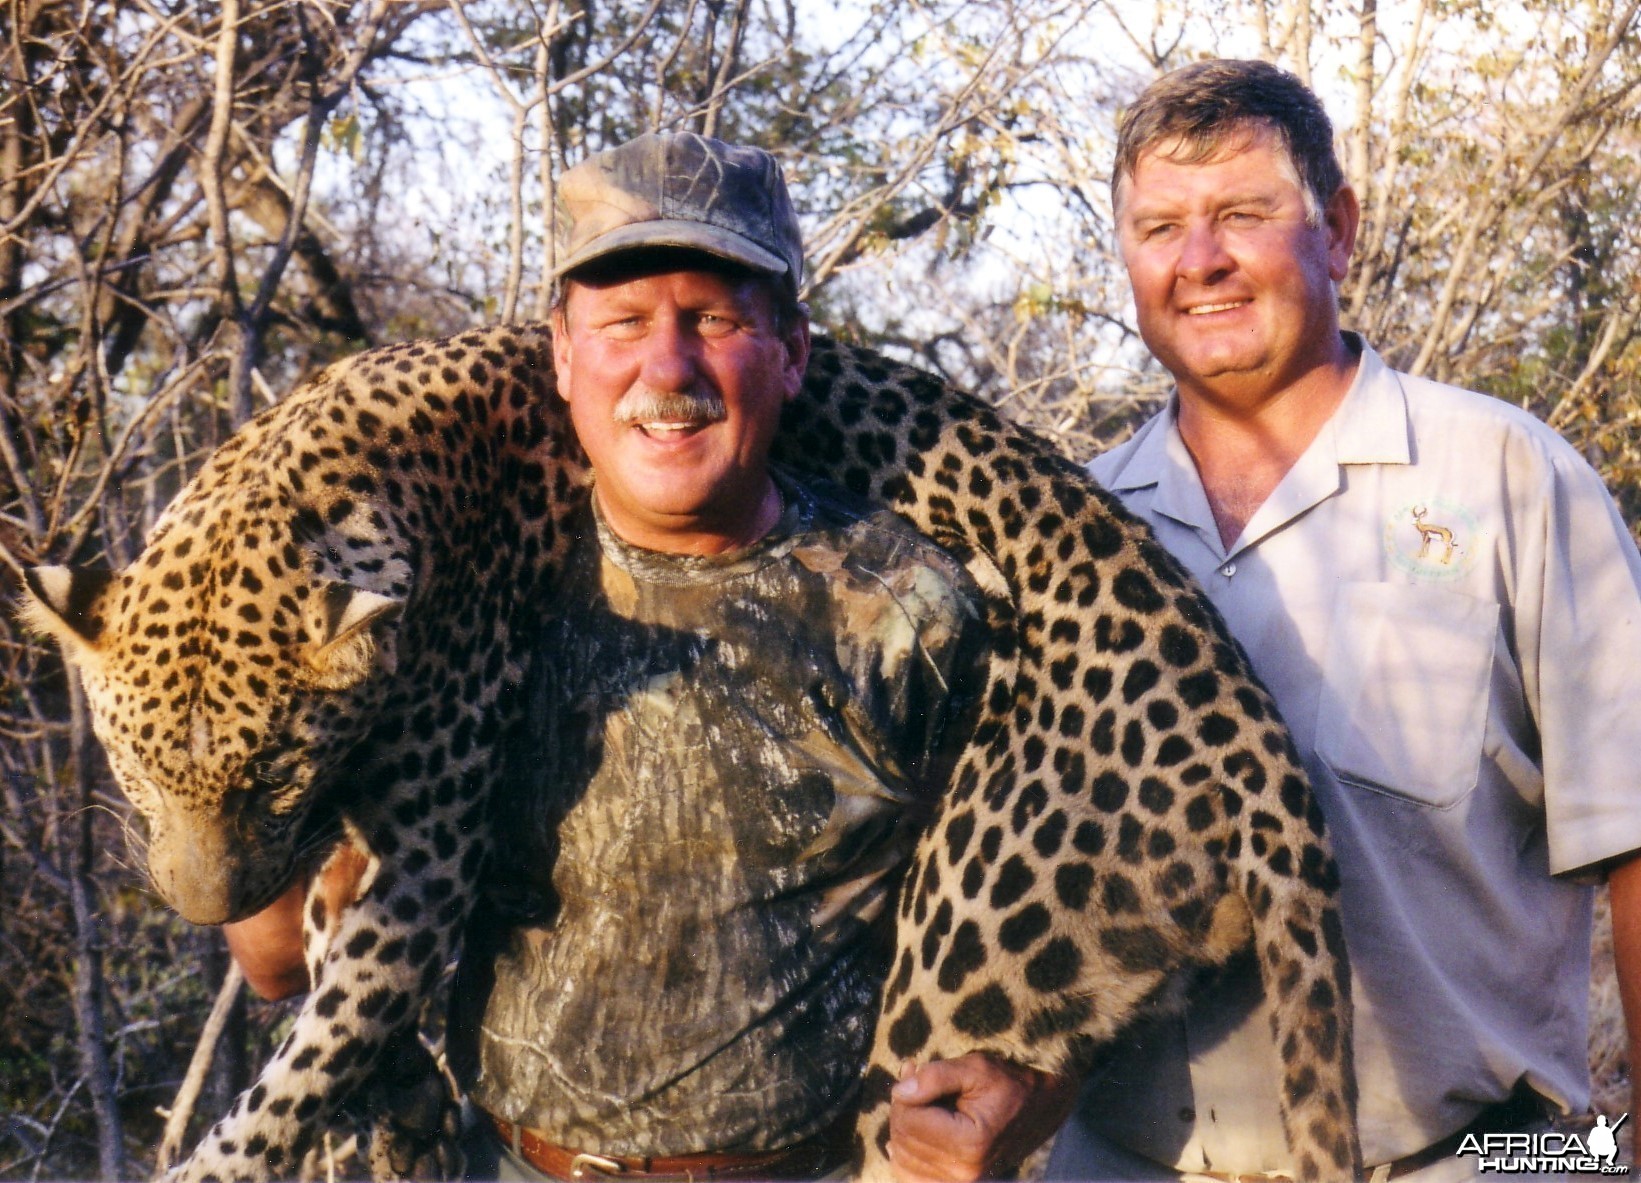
1578 629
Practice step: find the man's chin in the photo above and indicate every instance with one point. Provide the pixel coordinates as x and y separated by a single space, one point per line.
1215 366
668 510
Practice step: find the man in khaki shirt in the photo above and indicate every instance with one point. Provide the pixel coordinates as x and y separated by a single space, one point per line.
1447 608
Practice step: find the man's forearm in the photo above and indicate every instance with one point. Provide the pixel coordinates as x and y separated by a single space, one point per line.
1624 890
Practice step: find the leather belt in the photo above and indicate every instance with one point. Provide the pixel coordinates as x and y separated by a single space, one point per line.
808 1159
1522 1109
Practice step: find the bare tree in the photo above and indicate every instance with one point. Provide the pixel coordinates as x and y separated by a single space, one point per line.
200 203
147 225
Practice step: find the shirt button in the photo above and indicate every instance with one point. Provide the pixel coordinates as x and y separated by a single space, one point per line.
1228 570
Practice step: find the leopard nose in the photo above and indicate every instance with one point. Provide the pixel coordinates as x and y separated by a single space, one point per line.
197 870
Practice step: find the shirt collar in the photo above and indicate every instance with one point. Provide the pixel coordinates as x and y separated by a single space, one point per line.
1370 426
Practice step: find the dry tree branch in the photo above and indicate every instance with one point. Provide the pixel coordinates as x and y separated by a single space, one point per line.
854 219
183 380
521 108
1376 203
1618 327
667 61
182 1108
1499 195
213 163
91 124
91 1034
721 82
513 284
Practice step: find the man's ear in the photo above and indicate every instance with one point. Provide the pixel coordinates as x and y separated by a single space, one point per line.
795 340
1342 216
561 347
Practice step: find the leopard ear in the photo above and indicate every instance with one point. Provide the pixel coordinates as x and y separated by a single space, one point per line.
351 637
64 603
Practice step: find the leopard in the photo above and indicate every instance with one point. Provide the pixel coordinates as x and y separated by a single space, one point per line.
317 650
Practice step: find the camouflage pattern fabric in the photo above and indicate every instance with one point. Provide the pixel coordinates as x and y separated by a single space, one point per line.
725 761
679 190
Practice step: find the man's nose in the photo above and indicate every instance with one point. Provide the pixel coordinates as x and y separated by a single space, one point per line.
670 357
1203 257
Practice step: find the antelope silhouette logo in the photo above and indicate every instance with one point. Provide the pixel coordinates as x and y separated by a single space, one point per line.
1429 532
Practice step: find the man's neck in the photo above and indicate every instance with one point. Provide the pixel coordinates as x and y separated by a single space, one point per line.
1244 442
698 534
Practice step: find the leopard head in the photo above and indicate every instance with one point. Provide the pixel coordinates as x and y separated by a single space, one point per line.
228 686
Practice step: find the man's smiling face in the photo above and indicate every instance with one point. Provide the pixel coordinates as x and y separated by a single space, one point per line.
1233 280
675 381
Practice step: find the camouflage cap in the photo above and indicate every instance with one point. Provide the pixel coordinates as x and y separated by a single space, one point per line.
679 190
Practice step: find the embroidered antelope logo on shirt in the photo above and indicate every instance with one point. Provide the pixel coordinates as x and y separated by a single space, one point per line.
1429 533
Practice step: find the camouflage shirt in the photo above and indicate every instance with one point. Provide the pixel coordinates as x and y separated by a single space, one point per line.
725 763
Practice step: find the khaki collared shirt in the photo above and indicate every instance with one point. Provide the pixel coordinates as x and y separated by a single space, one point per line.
1447 607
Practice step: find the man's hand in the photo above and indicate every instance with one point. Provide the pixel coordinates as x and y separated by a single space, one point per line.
954 1121
268 945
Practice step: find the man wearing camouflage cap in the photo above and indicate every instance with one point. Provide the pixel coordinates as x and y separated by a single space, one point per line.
752 687
695 916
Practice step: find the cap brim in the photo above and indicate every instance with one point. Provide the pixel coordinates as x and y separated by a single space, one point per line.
712 240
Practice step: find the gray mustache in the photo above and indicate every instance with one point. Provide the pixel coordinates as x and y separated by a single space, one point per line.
644 406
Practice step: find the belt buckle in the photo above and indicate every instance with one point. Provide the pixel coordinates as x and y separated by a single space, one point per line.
584 1166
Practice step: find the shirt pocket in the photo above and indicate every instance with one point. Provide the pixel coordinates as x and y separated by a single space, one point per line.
1406 679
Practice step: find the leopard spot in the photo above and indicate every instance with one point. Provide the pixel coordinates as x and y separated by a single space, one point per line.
1089 838
1137 950
1135 590
1217 730
1014 879
967 954
1142 677
1110 792
1023 929
958 832
1178 647
984 1014
1072 884
1117 895
1156 796
909 1032
1050 834
1055 966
